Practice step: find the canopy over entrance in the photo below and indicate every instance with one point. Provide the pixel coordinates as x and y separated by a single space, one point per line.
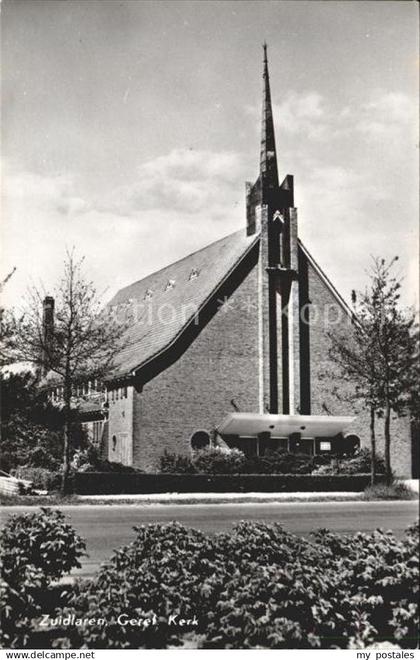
282 426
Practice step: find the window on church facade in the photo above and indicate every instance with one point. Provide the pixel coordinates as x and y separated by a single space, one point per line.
97 433
194 274
199 440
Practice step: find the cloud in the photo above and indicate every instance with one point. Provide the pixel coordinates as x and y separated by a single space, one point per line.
313 117
349 199
297 113
345 217
386 114
302 113
183 180
179 202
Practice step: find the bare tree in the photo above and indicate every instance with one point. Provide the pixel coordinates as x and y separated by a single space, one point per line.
6 327
396 342
380 355
79 344
354 355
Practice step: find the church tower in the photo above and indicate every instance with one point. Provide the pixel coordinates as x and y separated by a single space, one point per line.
271 212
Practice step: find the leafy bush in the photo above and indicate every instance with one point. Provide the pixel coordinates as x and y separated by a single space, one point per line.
31 425
40 477
279 463
361 463
210 460
255 587
90 460
382 576
216 460
42 539
35 549
109 466
358 464
41 456
395 491
171 463
161 573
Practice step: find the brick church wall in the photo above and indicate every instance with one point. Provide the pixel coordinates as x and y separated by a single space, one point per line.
324 310
222 363
195 392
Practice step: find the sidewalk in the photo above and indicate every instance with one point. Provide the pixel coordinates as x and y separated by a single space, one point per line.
214 498
44 499
203 498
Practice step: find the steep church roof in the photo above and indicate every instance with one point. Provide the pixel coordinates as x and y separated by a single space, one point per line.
162 304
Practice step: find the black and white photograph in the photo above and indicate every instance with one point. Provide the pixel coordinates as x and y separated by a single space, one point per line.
209 327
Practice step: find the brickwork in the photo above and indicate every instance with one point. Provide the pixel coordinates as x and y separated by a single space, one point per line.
324 311
120 425
264 315
294 338
280 351
195 392
229 360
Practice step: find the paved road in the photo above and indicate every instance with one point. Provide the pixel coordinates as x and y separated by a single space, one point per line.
106 527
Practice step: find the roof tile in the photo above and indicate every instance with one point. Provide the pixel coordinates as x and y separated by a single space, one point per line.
158 312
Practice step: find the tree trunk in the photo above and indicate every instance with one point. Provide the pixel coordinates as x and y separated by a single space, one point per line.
388 472
372 447
67 439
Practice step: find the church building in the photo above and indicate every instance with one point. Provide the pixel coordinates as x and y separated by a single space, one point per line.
229 345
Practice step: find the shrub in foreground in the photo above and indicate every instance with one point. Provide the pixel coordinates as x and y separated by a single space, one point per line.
161 573
36 549
254 587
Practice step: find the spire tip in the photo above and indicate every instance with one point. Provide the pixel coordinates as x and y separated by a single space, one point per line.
268 159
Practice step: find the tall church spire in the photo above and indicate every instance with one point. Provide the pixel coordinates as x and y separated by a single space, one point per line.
266 190
268 159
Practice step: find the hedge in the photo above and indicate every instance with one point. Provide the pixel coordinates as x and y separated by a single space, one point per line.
253 587
36 550
109 483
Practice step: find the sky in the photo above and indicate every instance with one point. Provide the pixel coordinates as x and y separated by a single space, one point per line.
130 127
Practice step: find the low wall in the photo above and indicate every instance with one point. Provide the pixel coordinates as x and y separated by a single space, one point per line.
111 483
